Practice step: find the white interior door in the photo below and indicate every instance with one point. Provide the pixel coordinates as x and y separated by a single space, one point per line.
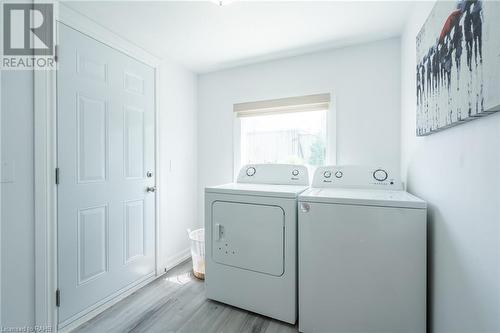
105 143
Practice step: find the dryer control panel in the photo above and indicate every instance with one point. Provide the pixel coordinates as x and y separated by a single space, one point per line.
356 176
276 174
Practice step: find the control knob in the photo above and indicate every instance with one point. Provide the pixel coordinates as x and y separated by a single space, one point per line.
380 175
251 171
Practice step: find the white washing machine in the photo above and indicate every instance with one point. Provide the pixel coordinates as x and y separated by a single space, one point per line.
251 240
362 253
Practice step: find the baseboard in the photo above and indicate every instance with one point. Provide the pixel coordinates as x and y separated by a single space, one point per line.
74 322
170 263
177 258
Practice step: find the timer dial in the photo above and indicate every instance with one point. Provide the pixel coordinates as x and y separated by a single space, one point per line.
380 175
250 171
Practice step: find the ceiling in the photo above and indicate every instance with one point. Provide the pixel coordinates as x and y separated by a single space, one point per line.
204 36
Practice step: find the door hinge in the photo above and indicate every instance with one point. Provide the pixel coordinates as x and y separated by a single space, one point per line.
58 298
56 53
57 176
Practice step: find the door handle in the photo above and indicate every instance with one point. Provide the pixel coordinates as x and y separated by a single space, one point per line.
151 189
219 231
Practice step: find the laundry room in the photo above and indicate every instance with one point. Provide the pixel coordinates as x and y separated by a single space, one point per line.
250 166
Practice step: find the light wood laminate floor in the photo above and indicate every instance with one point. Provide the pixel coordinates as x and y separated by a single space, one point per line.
176 302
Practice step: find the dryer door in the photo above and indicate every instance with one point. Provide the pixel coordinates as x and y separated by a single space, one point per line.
249 236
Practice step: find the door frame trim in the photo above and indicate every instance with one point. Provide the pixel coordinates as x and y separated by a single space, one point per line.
45 157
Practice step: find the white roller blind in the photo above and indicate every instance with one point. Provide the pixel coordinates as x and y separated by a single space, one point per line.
283 105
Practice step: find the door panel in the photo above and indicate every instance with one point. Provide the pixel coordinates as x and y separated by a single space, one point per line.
91 68
93 254
134 229
134 142
92 136
249 236
133 83
105 143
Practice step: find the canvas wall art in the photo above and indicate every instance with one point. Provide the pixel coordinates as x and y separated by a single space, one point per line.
458 64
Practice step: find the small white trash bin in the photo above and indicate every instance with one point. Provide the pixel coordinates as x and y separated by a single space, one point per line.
197 238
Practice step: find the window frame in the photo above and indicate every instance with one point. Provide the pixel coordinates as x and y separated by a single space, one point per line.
331 138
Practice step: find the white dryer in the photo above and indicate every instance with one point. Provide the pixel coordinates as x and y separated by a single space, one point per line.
362 253
251 240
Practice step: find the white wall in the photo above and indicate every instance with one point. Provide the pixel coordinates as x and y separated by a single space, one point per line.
364 81
17 219
457 172
178 160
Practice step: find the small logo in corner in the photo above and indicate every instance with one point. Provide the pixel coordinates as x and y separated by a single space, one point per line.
28 36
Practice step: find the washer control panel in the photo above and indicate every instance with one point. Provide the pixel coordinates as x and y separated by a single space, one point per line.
278 174
356 176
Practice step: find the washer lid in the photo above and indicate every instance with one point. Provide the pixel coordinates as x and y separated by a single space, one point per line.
382 198
281 191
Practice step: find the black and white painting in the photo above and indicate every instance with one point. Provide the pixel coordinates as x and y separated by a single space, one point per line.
458 64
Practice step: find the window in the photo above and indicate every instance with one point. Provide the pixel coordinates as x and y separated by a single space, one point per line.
292 130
